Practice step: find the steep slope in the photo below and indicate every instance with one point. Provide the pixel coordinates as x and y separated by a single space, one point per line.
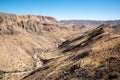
94 55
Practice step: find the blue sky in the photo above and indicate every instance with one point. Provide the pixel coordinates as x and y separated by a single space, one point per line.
65 9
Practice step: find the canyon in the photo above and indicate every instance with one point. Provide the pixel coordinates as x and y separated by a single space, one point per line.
34 47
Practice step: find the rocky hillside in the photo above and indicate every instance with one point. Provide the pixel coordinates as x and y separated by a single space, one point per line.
95 55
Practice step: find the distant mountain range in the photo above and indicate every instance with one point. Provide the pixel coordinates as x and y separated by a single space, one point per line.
91 23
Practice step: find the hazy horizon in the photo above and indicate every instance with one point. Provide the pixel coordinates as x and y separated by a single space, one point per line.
65 9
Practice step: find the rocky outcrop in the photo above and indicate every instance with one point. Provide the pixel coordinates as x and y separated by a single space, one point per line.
37 24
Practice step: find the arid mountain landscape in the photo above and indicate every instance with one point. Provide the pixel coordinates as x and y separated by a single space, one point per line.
34 47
